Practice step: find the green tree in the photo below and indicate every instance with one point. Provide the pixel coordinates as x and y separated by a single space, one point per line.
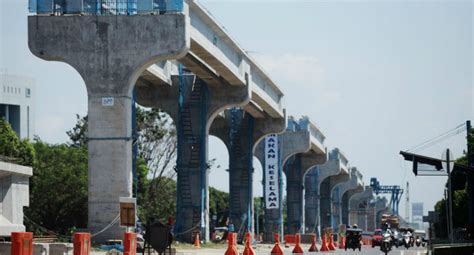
58 189
12 148
219 205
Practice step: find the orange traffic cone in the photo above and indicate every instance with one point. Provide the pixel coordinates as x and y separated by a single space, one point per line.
277 249
298 248
231 247
313 247
342 242
248 245
324 244
331 243
197 243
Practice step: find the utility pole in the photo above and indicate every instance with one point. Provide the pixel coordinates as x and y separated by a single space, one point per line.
470 184
407 203
450 197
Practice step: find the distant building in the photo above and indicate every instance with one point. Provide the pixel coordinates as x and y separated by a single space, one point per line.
17 103
417 213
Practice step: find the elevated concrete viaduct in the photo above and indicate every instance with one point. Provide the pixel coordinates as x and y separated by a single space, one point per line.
241 132
115 53
316 193
355 178
300 137
359 205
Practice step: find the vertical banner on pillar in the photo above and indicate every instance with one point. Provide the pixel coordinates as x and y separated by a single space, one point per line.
271 172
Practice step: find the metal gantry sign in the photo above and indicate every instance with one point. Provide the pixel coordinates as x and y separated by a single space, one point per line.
271 172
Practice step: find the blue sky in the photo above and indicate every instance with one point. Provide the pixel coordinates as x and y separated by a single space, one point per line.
377 77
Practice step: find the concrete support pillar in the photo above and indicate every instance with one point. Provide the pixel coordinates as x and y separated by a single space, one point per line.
337 195
345 203
336 163
359 206
240 132
295 169
380 208
311 198
109 52
290 143
199 103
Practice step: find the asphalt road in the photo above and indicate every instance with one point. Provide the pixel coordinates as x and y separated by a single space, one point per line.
366 250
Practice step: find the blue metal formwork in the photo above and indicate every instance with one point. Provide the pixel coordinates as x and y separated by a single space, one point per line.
45 7
32 6
170 5
145 6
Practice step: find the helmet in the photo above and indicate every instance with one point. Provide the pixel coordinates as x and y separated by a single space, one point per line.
354 226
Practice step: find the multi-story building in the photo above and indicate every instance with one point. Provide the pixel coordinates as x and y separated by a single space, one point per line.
17 103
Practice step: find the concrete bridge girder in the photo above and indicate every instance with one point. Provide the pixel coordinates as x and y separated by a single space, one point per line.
109 67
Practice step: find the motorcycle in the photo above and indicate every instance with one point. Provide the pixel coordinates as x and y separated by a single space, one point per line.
418 241
406 241
386 243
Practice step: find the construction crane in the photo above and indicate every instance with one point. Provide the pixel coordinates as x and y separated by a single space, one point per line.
395 191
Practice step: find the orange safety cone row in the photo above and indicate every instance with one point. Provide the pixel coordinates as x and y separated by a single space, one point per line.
197 243
324 244
313 247
277 248
248 245
298 248
231 247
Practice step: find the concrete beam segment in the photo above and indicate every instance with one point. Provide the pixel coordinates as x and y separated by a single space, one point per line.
359 206
240 132
109 52
336 164
201 112
345 202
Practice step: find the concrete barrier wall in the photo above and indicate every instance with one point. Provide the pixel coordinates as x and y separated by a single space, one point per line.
41 248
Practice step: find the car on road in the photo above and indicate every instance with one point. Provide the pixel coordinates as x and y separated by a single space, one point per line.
376 237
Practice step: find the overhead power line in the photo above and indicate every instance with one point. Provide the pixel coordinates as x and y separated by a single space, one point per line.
441 137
